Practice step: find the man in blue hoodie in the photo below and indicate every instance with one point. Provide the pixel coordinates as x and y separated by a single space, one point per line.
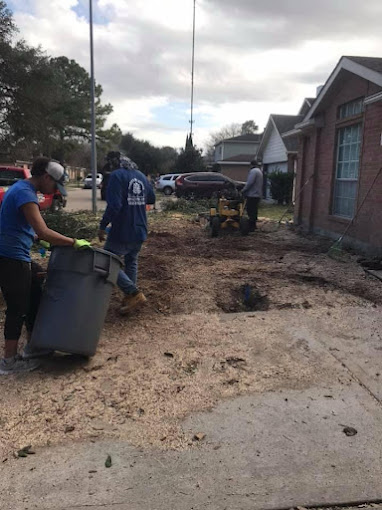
128 192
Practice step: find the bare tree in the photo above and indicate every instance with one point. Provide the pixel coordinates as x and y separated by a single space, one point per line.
214 138
229 131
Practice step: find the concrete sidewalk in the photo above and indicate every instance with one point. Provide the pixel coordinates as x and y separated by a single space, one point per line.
272 450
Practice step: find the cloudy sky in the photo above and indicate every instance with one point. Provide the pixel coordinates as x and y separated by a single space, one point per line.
253 57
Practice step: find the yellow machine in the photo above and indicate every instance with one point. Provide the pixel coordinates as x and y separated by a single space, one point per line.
229 214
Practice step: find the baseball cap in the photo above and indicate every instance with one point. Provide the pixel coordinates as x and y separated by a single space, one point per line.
57 172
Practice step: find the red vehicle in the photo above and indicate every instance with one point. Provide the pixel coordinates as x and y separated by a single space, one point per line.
11 174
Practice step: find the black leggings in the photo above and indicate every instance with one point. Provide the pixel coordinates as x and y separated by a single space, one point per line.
252 210
21 285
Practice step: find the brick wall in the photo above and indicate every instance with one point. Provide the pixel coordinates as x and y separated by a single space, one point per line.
236 172
318 151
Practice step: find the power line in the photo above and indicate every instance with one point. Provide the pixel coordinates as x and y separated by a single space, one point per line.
193 71
93 123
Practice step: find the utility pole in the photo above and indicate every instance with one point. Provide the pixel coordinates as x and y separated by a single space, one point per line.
192 73
93 123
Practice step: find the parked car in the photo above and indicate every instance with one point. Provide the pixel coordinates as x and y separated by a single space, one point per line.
166 183
88 181
11 174
106 172
205 185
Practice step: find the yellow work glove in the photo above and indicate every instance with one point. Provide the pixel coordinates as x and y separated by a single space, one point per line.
44 244
81 244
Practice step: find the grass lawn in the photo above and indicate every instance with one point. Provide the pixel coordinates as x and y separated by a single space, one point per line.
275 211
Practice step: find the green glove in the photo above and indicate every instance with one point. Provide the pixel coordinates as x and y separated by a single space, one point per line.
44 244
81 244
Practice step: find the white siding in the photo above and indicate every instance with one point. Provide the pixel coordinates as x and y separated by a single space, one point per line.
274 151
218 152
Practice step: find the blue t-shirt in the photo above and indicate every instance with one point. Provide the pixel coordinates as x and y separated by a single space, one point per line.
16 235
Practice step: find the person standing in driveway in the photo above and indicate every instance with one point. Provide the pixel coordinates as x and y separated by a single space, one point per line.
253 191
128 192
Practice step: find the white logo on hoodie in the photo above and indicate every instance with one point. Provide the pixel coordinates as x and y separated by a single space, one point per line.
136 193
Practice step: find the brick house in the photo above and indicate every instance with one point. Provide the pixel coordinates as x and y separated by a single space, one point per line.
339 176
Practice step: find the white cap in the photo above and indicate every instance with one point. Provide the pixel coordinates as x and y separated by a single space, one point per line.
57 172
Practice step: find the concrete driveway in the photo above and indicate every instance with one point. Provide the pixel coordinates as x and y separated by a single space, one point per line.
310 447
81 199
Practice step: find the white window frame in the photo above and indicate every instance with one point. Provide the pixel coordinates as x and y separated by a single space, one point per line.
342 209
351 108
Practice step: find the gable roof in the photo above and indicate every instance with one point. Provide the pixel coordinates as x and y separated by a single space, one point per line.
282 124
369 68
306 105
373 63
251 137
285 122
240 158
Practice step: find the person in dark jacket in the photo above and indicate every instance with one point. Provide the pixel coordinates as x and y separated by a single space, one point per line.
128 192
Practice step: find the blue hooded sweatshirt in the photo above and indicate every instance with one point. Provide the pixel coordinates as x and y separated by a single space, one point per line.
128 192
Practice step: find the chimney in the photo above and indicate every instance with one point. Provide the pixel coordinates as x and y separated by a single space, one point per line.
318 90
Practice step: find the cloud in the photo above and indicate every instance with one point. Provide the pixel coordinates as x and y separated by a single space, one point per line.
253 57
270 24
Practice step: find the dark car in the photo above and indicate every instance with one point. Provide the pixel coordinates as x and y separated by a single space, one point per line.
205 185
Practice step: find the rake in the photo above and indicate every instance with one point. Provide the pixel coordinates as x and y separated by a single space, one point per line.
336 247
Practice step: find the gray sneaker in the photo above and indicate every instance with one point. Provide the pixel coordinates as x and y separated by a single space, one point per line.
32 352
17 364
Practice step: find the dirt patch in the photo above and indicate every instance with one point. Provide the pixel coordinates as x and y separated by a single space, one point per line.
245 298
176 356
147 377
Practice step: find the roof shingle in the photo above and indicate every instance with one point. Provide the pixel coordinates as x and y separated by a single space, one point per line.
373 63
245 138
286 123
242 158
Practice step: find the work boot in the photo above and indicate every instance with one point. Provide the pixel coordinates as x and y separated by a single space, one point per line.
16 365
132 301
33 352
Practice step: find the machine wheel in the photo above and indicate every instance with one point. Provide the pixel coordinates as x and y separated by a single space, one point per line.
167 191
214 226
245 226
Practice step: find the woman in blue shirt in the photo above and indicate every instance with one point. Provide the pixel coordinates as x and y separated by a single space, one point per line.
20 223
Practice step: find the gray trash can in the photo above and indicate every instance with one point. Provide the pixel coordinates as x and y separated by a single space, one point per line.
75 300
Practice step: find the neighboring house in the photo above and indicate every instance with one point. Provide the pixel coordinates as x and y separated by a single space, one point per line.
234 155
339 178
308 103
276 153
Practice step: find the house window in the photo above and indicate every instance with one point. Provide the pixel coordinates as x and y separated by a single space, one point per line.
350 109
348 152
